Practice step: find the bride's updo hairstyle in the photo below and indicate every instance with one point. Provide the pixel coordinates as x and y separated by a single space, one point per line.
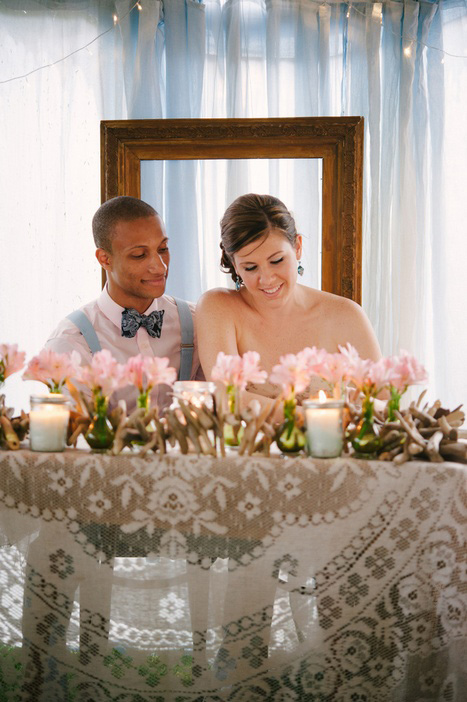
250 218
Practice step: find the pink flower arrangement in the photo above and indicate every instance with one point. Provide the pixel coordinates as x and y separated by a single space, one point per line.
158 371
392 372
407 371
147 371
228 369
238 371
11 360
331 367
53 368
103 375
292 373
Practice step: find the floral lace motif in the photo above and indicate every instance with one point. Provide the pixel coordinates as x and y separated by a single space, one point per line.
231 579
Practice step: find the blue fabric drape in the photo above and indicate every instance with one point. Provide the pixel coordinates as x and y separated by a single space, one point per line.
402 65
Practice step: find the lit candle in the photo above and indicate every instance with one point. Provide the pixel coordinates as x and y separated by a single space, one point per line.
48 422
324 426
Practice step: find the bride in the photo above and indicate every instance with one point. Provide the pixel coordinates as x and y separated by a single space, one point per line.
269 311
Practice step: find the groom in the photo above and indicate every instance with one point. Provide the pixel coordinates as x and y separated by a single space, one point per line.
132 315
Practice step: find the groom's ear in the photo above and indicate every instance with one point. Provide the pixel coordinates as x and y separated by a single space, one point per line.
104 258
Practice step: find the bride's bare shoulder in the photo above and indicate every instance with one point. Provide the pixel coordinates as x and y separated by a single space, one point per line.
329 303
216 300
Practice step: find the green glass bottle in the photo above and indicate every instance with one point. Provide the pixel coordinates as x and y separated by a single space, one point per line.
100 434
290 437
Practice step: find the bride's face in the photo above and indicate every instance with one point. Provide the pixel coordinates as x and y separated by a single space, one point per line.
268 267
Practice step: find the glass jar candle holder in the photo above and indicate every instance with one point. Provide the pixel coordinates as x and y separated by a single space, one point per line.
48 422
324 427
197 392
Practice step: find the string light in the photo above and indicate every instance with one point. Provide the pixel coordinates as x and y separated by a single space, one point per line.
411 39
139 7
76 51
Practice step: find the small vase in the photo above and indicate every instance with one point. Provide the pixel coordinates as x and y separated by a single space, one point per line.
233 432
290 437
366 441
100 434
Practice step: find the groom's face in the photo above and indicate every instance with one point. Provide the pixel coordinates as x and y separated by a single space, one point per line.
138 264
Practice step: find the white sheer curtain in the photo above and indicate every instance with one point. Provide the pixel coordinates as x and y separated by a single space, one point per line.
403 66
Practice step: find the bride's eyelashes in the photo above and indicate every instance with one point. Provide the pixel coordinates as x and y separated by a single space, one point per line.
252 268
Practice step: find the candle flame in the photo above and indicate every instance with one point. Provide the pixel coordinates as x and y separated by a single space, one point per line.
322 396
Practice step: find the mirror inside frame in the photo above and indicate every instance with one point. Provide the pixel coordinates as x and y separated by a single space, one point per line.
192 213
182 148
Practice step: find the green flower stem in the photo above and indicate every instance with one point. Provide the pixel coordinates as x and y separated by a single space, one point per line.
393 404
143 400
290 405
366 441
100 403
233 399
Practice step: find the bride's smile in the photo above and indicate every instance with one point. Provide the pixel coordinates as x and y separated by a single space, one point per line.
268 270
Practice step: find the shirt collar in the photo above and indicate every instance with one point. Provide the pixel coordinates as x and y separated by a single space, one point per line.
114 312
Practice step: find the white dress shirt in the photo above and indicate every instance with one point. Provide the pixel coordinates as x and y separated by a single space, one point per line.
105 316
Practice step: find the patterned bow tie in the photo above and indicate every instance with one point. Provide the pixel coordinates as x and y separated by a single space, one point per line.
132 320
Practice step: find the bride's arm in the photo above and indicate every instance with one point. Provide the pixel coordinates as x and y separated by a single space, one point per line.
215 330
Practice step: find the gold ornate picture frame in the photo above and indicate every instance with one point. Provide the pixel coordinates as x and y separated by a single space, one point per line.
338 141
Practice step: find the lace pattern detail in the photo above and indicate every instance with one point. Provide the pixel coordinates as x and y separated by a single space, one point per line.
189 578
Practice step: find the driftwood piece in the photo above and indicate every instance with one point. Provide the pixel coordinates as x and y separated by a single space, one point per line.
448 431
177 430
432 447
8 434
429 433
410 428
423 416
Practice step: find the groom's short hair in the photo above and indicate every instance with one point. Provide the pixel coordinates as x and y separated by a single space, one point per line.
119 209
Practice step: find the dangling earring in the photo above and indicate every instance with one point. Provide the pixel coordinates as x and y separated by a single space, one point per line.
238 283
300 269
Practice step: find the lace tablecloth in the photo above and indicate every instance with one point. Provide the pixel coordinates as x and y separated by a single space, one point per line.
251 579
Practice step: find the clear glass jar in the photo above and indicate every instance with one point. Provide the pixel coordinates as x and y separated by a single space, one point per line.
198 392
324 427
48 422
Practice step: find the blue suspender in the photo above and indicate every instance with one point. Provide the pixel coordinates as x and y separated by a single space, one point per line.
80 320
187 345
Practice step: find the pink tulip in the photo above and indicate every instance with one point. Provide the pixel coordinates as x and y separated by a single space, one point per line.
407 371
381 375
158 371
291 373
52 368
251 372
103 375
134 370
333 368
11 360
313 358
228 369
358 369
